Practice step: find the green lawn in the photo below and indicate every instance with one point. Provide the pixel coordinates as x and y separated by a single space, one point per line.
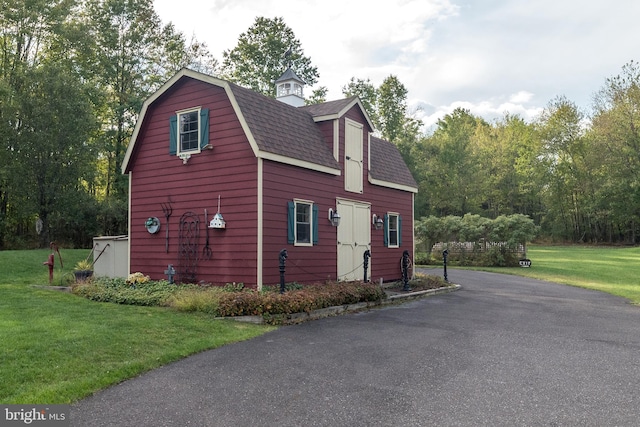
607 269
58 348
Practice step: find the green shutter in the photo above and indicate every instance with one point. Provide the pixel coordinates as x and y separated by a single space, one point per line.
204 127
291 217
315 224
399 230
173 134
386 231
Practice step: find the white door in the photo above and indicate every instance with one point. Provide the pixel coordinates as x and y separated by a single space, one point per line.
353 157
354 238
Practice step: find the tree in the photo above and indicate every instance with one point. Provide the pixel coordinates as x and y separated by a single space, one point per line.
263 53
318 96
507 151
449 179
616 139
27 32
51 153
368 94
562 156
392 108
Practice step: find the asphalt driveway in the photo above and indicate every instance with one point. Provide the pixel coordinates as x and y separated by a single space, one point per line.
502 351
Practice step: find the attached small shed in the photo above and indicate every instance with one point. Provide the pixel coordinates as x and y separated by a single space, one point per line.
223 178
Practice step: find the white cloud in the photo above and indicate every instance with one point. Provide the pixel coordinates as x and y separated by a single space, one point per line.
485 56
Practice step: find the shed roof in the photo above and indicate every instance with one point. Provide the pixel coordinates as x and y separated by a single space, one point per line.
281 129
281 132
388 166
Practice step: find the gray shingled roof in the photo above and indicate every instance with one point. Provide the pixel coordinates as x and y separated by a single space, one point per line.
328 108
387 164
279 128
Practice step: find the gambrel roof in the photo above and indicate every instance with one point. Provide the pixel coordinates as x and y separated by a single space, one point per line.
287 134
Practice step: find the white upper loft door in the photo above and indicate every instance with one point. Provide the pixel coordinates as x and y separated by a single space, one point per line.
353 160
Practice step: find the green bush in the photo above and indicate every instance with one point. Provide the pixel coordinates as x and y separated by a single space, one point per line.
119 291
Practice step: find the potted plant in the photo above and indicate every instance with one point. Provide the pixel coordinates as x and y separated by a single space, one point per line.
83 270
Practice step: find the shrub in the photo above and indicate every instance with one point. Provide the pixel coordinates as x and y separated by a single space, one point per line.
193 298
119 291
233 300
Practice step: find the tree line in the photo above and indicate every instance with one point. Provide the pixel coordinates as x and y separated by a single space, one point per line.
74 75
575 174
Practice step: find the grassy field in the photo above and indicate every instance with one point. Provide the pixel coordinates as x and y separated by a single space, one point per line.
58 348
607 269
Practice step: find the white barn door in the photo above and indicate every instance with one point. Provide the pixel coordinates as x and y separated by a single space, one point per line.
354 238
353 157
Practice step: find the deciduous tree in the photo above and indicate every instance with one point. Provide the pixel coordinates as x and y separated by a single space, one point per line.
263 53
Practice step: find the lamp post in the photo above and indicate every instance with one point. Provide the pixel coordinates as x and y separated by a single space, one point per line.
445 253
405 271
282 257
367 255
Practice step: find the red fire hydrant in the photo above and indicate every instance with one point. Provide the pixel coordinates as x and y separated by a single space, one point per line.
50 262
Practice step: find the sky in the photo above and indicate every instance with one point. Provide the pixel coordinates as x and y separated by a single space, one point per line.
488 56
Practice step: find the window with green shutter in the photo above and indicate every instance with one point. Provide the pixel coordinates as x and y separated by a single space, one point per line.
189 131
302 227
392 230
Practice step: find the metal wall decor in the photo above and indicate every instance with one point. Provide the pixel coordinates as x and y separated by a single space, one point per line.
188 247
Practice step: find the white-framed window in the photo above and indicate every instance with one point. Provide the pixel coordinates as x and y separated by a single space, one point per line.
303 223
392 230
189 131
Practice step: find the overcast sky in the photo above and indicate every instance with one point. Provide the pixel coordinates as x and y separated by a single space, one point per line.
490 56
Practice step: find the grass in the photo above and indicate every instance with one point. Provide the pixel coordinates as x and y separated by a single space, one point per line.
58 348
608 269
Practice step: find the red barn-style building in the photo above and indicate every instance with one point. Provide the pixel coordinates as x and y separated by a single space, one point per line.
271 174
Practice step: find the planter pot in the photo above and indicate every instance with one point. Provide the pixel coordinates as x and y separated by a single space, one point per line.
82 275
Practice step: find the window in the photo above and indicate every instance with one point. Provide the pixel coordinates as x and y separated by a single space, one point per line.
189 131
392 230
303 223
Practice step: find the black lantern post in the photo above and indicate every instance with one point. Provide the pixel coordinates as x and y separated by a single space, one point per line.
367 255
445 253
405 271
282 258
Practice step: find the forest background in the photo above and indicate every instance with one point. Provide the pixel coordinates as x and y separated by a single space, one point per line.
74 75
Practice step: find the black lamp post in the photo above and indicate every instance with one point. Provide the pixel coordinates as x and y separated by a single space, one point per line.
282 258
445 253
405 271
367 255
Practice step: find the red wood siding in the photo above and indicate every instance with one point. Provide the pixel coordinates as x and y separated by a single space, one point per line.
229 170
318 263
305 264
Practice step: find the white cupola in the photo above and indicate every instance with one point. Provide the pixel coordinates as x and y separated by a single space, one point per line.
289 89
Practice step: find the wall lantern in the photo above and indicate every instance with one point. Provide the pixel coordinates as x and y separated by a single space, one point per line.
334 217
377 222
